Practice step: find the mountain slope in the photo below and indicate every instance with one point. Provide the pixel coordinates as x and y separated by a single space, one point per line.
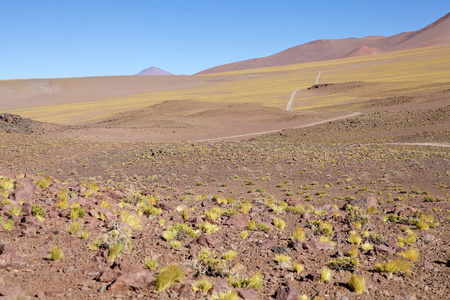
153 71
437 33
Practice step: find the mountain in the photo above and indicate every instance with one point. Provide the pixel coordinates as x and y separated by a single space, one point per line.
153 71
437 33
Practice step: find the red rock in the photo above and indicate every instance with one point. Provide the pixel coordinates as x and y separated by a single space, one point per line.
317 246
133 280
384 248
250 294
9 257
365 202
286 293
108 275
266 244
305 215
238 221
196 220
221 286
204 240
11 292
25 190
117 194
27 209
293 201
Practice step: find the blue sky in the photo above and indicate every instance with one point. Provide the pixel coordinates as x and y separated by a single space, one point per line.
62 38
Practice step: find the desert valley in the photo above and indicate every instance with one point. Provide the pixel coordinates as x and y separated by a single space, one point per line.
257 179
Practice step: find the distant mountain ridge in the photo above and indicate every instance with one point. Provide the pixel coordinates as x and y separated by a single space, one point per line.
437 33
153 71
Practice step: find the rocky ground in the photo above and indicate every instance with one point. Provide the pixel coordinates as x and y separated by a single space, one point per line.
289 215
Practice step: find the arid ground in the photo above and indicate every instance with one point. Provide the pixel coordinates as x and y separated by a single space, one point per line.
205 187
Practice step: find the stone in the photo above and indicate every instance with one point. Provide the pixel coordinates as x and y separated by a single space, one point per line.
268 244
133 280
238 221
305 215
295 244
249 294
239 269
384 248
25 190
365 202
317 246
11 292
204 240
286 293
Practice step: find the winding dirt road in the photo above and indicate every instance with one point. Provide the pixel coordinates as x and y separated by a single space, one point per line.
352 114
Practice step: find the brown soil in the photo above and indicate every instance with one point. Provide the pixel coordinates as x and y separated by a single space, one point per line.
151 165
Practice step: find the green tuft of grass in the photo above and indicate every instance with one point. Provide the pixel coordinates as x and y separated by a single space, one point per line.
325 274
279 223
357 284
396 266
167 276
150 264
74 227
229 255
115 250
55 254
202 285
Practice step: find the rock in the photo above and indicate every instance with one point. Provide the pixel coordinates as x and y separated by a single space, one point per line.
384 248
116 194
296 245
186 292
286 293
281 250
204 240
164 206
293 201
11 292
250 294
311 277
27 209
266 244
305 215
133 280
365 202
221 286
404 211
238 221
317 246
9 257
25 190
239 269
196 220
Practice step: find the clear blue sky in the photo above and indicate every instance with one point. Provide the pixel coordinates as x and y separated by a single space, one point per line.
65 38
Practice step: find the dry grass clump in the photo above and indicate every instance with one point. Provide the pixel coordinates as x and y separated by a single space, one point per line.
55 254
150 263
74 227
279 223
344 263
115 250
282 257
299 234
229 255
298 267
325 274
354 238
357 284
253 282
167 276
396 266
208 227
411 254
202 285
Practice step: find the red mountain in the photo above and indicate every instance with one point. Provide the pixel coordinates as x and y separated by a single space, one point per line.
437 33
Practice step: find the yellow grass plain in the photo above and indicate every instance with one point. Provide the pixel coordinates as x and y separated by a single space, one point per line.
389 74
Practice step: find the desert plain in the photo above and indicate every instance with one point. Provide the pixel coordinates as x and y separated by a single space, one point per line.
206 187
